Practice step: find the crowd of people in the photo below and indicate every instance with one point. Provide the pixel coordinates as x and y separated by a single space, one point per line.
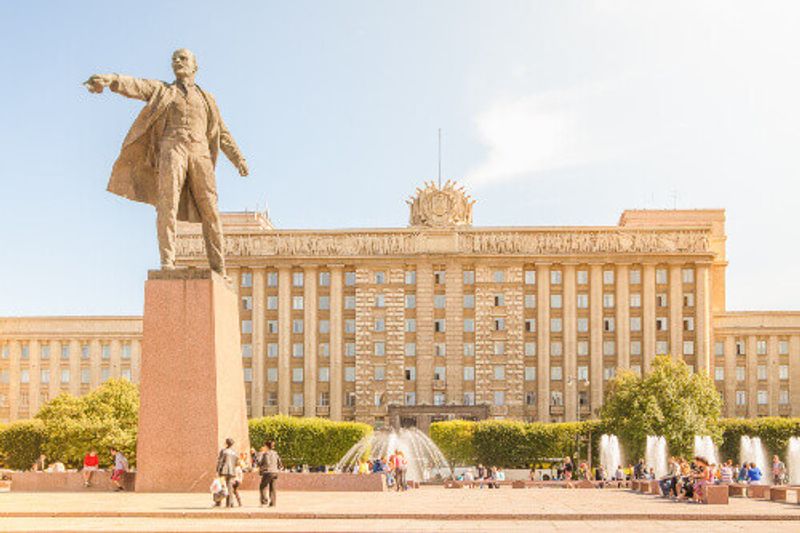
231 468
395 467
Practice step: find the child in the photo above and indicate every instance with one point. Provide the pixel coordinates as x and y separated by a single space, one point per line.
218 491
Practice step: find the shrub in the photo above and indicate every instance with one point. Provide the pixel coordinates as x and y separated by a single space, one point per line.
307 441
21 443
454 439
774 433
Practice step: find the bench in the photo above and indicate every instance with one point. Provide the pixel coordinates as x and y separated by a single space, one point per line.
453 484
758 491
783 493
715 494
737 489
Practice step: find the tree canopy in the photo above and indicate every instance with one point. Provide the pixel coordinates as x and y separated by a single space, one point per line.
670 401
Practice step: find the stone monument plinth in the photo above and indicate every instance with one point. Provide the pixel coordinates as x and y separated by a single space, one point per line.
192 381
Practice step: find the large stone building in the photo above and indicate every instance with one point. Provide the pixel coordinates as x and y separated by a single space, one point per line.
438 319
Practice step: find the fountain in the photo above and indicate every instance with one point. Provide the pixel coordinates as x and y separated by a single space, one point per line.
752 451
610 454
793 460
704 447
425 460
656 455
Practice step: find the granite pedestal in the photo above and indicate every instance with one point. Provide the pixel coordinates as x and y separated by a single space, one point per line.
192 382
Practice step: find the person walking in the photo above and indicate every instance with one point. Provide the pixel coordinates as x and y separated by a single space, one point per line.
400 467
226 468
778 471
120 467
269 464
91 463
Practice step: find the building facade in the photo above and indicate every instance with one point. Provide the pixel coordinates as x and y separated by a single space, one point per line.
444 319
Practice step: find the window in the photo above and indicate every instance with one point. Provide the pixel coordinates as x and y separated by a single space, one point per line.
297 325
740 373
688 275
556 325
583 324
44 376
499 300
661 299
661 323
324 349
530 301
469 324
411 398
530 349
125 373
688 347
761 397
297 349
688 299
469 349
411 373
583 301
247 303
349 302
380 300
530 277
636 347
609 347
783 397
608 324
324 399
247 326
556 398
719 348
126 350
349 326
499 372
349 278
469 373
350 349
583 348
272 279
469 277
324 279
583 277
272 375
297 303
380 324
469 301
636 300
379 348
64 352
555 301
411 301
439 325
636 323
530 325
499 347
439 373
411 349
248 374
247 350
741 397
740 348
661 276
439 277
499 398
469 398
783 372
530 373
608 277
555 373
380 373
411 277
411 325
104 374
719 373
761 371
297 399
272 349
609 372
783 347
555 277
440 349
499 324
583 373
297 375
439 301
636 277
350 400
44 352
662 347
86 376
105 351
324 326
85 347
350 374
297 279
272 326
556 348
499 276
761 347
247 279
637 369
380 278
608 300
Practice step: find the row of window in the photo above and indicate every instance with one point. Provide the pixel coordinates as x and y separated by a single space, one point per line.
740 347
85 351
65 375
762 397
761 373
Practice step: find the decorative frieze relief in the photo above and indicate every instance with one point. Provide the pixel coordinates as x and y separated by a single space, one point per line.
468 242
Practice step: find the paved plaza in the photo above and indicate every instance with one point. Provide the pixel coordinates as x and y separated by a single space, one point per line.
426 509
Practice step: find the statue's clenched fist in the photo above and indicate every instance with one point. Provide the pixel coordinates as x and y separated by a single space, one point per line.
98 82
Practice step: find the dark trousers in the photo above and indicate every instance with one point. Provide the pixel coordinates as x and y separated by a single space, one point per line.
229 486
268 482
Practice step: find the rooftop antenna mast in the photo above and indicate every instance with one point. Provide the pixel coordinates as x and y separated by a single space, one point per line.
440 158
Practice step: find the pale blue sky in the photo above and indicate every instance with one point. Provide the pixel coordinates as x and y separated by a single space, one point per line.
554 113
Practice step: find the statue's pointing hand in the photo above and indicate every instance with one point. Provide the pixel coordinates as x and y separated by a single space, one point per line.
243 170
98 82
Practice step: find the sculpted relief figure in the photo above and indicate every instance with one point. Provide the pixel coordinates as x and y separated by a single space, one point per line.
168 157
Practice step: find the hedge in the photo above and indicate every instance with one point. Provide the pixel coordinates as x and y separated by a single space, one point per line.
508 443
21 443
774 433
307 441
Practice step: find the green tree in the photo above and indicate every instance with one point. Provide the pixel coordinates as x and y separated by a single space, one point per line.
106 417
21 443
455 439
670 401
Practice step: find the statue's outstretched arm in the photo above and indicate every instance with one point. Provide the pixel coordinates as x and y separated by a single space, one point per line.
231 150
138 88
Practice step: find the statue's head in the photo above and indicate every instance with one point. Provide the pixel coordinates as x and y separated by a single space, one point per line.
184 63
